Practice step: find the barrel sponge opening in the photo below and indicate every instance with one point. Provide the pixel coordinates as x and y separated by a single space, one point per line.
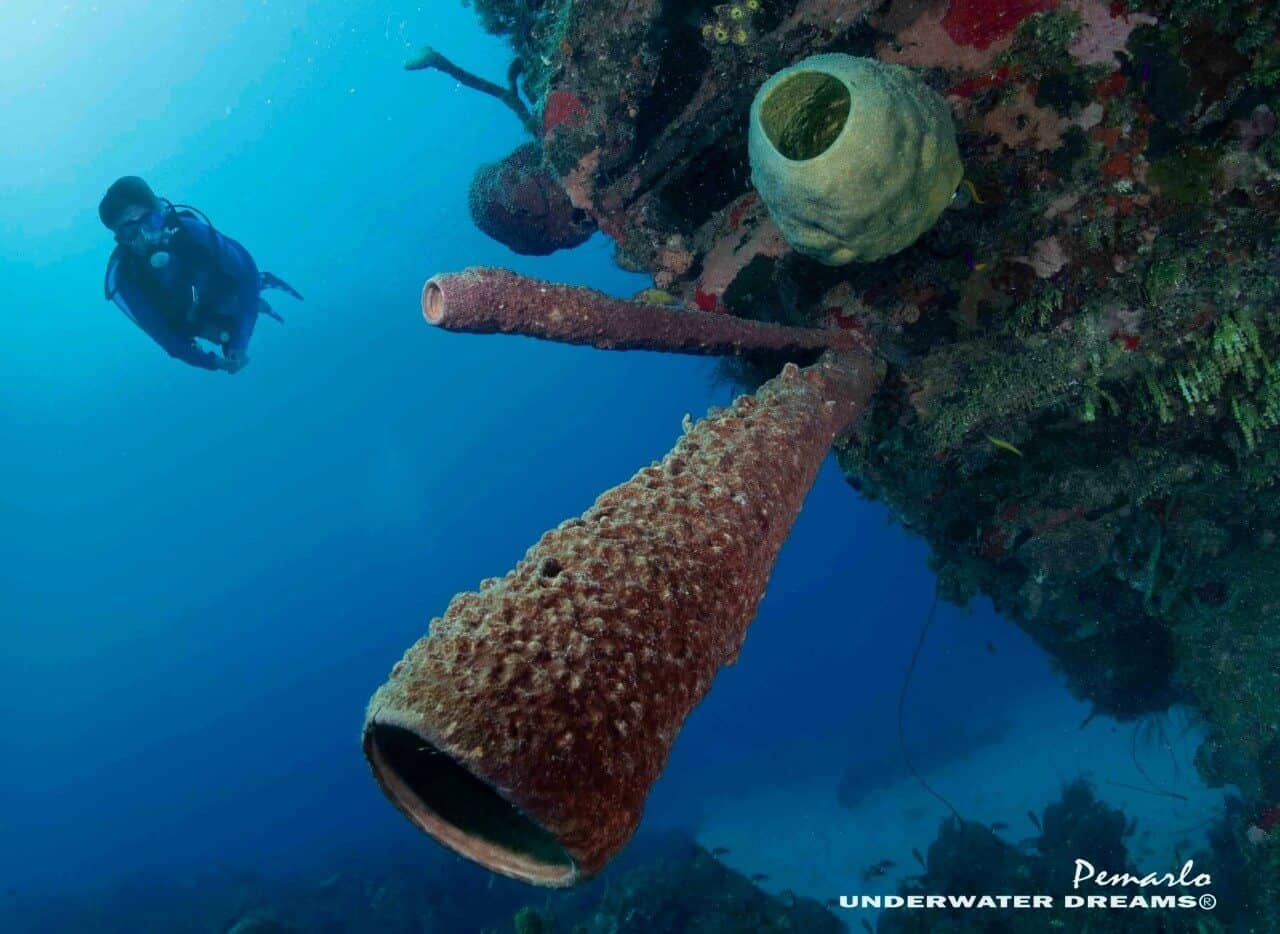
805 113
461 810
854 158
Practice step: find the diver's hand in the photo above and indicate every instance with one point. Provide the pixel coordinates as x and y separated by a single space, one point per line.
233 363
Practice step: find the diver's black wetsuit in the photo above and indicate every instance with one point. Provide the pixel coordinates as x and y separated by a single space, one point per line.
209 289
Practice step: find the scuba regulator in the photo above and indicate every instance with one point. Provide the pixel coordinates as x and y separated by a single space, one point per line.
152 232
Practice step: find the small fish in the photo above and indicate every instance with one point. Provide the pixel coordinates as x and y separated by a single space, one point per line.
655 296
919 858
991 647
1031 816
973 191
719 851
999 825
758 876
867 926
888 863
1089 719
1004 445
872 872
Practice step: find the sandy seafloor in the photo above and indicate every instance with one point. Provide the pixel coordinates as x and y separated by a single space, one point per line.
798 834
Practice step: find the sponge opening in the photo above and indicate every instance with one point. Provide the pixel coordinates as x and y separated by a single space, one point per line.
805 114
462 811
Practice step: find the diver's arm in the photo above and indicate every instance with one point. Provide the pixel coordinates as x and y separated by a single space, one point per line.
187 351
124 291
184 349
242 307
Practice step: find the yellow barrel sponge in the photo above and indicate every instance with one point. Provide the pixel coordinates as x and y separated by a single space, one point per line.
854 158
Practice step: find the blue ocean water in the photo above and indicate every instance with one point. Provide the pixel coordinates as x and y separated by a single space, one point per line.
203 578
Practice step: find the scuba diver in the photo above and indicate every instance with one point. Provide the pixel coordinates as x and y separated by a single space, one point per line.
179 279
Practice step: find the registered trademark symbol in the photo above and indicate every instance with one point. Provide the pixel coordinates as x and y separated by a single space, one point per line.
1208 902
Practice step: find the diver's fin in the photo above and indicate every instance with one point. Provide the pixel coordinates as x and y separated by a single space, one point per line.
265 309
269 280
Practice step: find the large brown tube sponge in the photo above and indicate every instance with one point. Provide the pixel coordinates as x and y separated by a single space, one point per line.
525 730
489 301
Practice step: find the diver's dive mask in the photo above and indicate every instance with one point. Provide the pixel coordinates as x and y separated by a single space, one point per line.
147 236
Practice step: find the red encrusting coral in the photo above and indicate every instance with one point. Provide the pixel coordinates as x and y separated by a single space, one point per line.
1260 830
971 86
979 23
706 301
992 545
1269 818
837 317
1110 86
744 204
1122 206
1119 165
563 108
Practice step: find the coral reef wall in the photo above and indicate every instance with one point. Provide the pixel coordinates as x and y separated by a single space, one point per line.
1084 385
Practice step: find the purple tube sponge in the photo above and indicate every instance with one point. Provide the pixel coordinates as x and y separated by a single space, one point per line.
489 301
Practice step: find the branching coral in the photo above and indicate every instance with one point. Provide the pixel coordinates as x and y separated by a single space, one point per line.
429 59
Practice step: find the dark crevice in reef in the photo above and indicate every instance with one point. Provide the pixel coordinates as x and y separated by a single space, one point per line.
1140 680
860 39
709 183
684 60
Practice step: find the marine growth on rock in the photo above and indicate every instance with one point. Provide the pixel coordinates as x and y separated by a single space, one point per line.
1103 303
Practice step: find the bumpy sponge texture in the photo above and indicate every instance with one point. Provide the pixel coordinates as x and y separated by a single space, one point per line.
544 705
